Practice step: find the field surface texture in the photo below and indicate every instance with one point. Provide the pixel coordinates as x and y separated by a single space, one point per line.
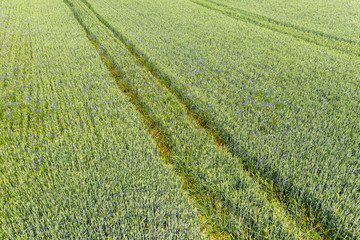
182 119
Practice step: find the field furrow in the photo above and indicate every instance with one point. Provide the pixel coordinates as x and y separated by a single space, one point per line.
321 39
336 18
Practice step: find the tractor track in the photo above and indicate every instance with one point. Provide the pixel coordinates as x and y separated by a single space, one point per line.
321 39
166 152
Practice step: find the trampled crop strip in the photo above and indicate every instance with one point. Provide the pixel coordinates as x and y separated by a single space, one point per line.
311 36
217 135
208 200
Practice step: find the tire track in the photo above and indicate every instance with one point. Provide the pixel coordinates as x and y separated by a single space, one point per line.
311 36
209 198
166 151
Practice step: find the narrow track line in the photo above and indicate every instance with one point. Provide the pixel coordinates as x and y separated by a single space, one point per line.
266 186
322 39
166 152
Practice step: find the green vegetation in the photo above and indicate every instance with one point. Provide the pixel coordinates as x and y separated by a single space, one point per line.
182 119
